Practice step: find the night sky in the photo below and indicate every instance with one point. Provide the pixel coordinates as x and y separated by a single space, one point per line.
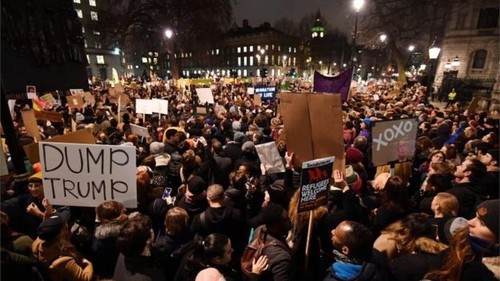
259 11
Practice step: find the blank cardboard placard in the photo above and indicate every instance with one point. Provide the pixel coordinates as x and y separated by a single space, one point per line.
139 130
313 126
251 91
75 101
205 95
29 120
80 136
160 106
52 116
270 158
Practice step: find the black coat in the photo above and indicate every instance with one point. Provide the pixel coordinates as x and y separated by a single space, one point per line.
104 250
468 196
139 268
413 266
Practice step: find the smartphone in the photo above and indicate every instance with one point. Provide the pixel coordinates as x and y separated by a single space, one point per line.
166 192
248 184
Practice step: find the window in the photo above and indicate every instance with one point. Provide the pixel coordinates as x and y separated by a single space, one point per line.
267 47
294 61
100 59
83 29
479 59
258 48
77 1
92 3
251 60
85 42
266 60
272 60
239 50
245 61
239 61
245 73
93 15
96 32
250 49
217 51
488 18
144 60
272 47
88 59
79 13
294 49
289 49
279 47
244 49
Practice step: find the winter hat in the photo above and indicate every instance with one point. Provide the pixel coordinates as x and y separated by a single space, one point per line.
50 228
248 146
488 213
236 126
350 175
156 147
196 185
448 227
79 117
272 213
367 121
38 177
354 155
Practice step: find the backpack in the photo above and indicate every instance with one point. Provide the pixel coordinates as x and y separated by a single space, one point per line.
175 164
255 249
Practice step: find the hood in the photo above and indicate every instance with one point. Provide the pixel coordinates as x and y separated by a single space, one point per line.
217 215
108 230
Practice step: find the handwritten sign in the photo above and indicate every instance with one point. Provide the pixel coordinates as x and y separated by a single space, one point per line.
314 183
393 140
86 175
144 106
205 95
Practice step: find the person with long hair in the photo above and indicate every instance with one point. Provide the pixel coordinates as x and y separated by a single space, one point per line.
464 260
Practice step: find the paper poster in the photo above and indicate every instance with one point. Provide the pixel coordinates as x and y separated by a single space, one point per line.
81 136
251 91
87 174
270 158
75 101
31 91
160 106
314 182
52 116
205 95
139 130
144 106
76 91
393 141
30 124
3 163
313 126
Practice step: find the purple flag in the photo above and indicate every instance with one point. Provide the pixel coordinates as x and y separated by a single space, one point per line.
339 84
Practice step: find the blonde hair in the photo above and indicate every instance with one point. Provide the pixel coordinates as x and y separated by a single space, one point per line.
176 221
448 204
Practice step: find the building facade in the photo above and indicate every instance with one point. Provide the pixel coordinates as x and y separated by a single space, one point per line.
103 62
469 59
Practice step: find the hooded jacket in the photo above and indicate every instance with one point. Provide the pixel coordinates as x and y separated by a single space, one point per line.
104 250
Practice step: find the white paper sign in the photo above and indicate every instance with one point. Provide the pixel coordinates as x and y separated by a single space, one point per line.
12 104
161 106
205 95
251 91
139 130
144 106
270 158
88 174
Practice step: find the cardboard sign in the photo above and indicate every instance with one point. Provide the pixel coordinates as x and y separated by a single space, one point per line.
138 130
313 126
144 106
205 95
87 174
257 101
89 98
75 101
314 182
81 136
3 163
49 99
393 141
160 106
270 158
29 120
52 116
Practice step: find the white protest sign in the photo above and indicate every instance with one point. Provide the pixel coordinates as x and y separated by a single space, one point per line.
139 130
270 158
76 91
393 140
12 104
251 91
161 106
205 95
88 174
144 106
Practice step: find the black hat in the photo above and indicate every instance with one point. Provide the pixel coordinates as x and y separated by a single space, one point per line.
196 185
50 228
272 213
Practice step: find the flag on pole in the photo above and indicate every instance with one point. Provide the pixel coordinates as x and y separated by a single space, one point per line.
339 84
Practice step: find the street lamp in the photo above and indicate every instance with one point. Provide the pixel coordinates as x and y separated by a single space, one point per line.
169 33
383 37
411 48
433 55
455 63
357 4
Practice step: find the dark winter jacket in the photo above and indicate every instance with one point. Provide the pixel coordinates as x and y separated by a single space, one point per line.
468 196
104 249
141 268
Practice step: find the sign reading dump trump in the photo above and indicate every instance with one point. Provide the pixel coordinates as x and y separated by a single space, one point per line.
314 183
88 174
393 141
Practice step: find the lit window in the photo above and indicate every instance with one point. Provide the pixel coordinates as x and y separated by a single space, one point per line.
91 3
123 60
294 60
245 61
156 54
93 15
96 32
272 47
267 47
279 47
272 59
266 60
289 49
244 49
77 1
144 60
85 42
190 55
239 61
217 51
79 13
88 59
295 50
239 50
239 72
258 48
251 49
245 73
251 60
100 59
83 29
150 54
149 60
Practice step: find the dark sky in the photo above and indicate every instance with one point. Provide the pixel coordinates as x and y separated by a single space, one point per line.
259 11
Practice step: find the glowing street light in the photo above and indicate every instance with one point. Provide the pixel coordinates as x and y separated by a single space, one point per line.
383 37
169 33
411 48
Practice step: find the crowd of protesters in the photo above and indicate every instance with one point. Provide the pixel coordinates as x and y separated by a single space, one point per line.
434 218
